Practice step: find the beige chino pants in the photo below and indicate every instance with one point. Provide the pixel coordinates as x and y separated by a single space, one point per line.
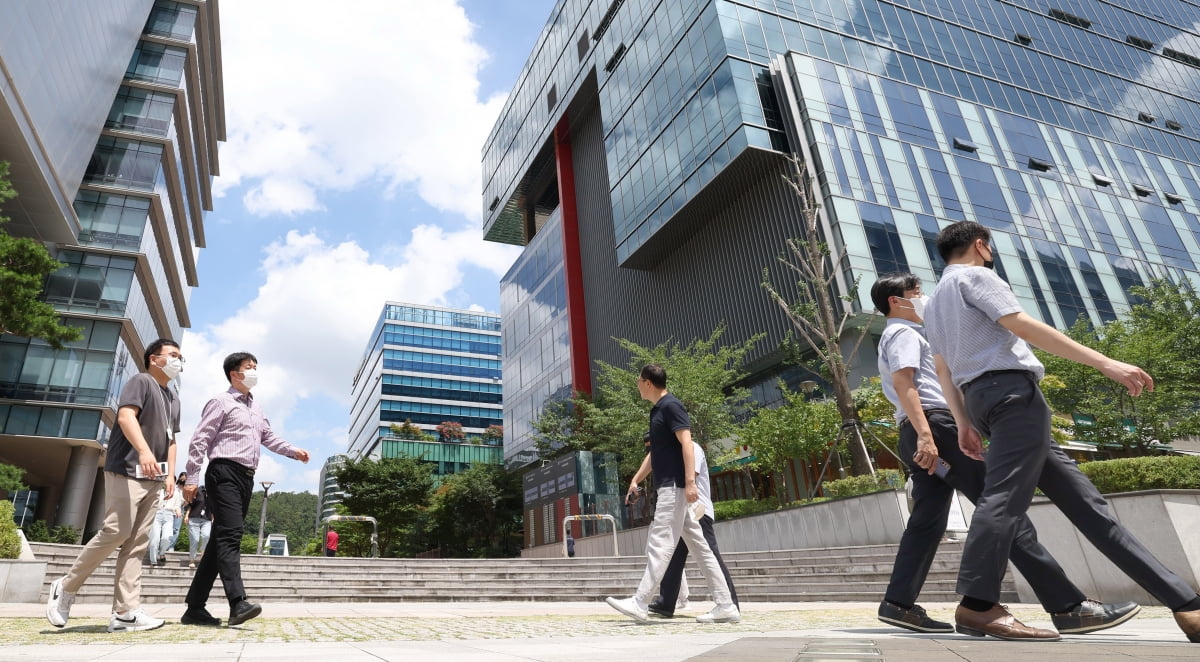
129 505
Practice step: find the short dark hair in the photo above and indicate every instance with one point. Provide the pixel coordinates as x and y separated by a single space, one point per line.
892 285
234 361
155 347
955 239
655 374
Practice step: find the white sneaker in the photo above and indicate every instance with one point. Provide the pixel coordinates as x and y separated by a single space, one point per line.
721 614
629 607
133 621
58 605
681 604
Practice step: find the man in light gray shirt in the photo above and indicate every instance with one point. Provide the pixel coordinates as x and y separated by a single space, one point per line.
978 332
929 446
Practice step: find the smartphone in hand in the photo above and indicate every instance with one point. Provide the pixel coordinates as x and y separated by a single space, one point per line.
941 468
162 472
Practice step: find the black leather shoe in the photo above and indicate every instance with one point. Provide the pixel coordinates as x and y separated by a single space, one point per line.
1091 616
243 611
199 616
659 609
914 619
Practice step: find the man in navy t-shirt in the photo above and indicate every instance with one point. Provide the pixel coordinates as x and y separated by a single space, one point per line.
674 465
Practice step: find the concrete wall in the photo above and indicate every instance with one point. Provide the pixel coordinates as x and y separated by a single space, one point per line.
1166 521
870 519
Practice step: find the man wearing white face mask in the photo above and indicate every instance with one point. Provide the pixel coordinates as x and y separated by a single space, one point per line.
147 421
929 445
230 433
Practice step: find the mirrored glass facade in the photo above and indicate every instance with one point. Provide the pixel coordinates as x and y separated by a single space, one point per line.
427 365
1069 127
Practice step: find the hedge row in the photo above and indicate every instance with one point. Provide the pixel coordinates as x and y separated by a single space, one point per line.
1165 472
884 479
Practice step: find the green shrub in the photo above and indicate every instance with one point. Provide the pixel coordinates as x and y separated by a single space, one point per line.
1165 472
10 542
885 479
37 531
63 534
741 507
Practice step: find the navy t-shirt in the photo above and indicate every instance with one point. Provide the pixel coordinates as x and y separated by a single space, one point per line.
666 453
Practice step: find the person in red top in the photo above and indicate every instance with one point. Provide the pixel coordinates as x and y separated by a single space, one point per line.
331 539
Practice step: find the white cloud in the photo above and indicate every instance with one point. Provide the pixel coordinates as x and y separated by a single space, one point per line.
309 323
319 98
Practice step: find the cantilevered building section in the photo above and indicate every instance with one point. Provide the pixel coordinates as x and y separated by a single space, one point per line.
640 155
110 115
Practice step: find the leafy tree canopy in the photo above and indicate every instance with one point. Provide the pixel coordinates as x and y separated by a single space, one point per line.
478 514
1161 333
24 266
293 514
798 428
395 491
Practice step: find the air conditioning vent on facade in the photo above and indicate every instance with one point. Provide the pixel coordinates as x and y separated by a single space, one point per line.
1070 19
495 203
1173 198
1023 39
1039 164
1102 180
1143 116
1173 125
1142 190
616 57
1180 56
583 45
1139 42
965 145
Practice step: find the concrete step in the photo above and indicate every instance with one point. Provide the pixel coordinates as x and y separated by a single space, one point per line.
774 576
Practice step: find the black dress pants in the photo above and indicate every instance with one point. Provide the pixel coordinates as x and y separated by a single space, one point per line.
668 587
931 508
1008 409
229 486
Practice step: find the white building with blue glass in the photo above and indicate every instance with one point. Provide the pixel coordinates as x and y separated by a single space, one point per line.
427 366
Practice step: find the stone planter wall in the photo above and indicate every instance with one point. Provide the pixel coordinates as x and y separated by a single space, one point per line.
21 581
869 519
1166 521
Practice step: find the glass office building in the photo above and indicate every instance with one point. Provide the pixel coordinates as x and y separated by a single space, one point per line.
426 366
652 137
110 116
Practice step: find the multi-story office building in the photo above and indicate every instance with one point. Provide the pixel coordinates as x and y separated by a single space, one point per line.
639 159
426 366
110 115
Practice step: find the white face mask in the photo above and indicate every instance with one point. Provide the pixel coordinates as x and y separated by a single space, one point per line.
250 378
172 368
918 305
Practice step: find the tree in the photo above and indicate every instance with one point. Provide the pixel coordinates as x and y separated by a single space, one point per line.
10 478
293 514
799 428
451 431
406 430
24 266
395 491
494 435
614 418
816 315
876 411
478 514
1161 333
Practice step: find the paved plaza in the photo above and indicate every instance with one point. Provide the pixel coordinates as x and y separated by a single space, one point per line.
559 632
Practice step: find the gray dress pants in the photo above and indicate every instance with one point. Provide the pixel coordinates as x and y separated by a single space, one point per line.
1008 409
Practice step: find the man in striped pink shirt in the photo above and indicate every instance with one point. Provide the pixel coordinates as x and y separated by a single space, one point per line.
230 433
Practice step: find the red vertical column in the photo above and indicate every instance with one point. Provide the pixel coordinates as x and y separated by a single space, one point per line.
581 373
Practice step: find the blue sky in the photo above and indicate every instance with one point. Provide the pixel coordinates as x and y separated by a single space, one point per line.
350 177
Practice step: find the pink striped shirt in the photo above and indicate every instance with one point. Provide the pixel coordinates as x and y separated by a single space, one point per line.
232 427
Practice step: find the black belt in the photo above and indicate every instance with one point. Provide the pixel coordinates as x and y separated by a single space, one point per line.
232 463
931 410
996 373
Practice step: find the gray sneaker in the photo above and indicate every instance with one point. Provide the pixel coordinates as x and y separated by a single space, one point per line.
58 605
133 621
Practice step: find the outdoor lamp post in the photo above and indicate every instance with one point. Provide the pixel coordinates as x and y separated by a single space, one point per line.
262 518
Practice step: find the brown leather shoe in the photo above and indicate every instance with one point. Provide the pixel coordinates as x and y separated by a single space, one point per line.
1000 624
1189 622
